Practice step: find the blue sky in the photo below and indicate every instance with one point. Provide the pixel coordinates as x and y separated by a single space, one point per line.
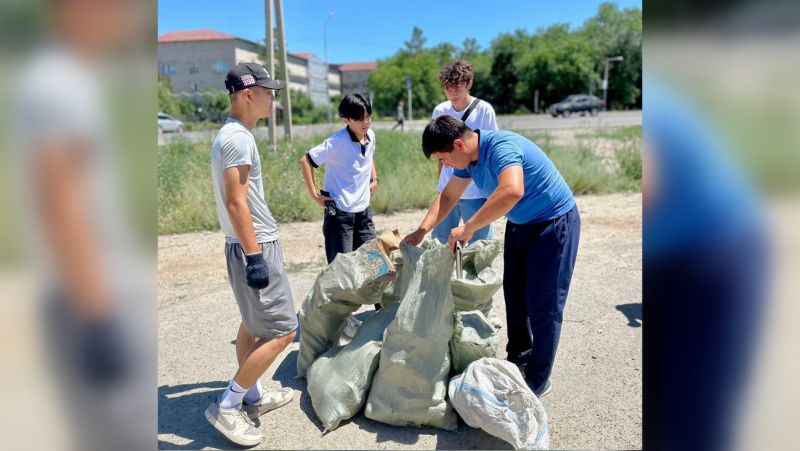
370 30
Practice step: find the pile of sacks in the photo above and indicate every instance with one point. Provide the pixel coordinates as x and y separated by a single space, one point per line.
398 364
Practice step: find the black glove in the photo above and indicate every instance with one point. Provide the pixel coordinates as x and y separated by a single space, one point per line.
257 271
104 357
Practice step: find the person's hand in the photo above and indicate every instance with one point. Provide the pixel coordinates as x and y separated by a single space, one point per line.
414 238
256 271
103 351
320 200
461 233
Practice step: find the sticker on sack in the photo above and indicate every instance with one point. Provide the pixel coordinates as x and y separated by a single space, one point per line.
377 265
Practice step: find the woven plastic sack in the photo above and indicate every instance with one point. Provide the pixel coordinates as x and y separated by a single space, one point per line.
409 388
479 281
348 282
491 394
473 338
339 379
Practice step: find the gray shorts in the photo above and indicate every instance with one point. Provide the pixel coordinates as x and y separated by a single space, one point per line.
269 312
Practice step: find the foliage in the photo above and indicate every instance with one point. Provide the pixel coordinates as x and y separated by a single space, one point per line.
556 61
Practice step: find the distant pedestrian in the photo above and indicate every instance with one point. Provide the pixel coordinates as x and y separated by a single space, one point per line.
401 117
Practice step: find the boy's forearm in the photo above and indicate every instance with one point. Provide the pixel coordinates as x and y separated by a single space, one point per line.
308 177
242 222
373 184
446 204
429 221
497 205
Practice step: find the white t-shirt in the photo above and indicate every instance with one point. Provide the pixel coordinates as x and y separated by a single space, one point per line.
483 118
72 111
233 146
348 168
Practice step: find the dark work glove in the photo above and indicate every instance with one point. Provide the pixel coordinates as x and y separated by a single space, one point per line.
104 357
257 271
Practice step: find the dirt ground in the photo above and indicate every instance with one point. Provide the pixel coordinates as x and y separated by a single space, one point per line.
596 398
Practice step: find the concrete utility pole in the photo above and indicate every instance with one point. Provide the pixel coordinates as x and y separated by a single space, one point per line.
287 106
605 79
327 72
270 57
408 87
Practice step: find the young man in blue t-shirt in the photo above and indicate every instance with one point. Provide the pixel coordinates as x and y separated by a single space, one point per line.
541 238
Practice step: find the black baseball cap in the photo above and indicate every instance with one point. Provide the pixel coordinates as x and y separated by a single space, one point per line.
245 75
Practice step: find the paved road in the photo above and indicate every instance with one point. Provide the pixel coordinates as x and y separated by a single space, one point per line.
523 122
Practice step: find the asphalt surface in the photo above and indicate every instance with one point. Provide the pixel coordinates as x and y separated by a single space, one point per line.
596 398
521 122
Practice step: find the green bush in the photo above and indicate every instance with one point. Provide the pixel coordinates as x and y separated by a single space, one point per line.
629 158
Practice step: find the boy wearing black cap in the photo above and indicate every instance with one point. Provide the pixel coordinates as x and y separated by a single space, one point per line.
254 258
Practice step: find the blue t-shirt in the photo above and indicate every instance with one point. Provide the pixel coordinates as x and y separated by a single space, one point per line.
700 194
547 195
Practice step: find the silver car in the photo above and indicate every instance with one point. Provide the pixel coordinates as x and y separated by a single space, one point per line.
168 124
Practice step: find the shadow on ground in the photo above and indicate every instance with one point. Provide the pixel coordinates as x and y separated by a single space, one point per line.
181 412
633 312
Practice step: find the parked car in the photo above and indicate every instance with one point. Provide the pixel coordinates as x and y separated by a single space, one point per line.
577 103
168 124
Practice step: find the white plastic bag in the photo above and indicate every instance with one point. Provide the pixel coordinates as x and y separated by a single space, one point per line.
491 394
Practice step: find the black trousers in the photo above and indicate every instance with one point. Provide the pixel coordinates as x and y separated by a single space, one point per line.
704 307
345 232
539 259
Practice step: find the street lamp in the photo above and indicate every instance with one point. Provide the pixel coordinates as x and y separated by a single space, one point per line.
605 79
325 39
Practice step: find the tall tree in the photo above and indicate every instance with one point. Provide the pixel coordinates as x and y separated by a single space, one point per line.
417 41
614 32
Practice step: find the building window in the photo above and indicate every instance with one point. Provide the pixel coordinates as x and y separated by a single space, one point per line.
167 69
194 68
194 86
220 66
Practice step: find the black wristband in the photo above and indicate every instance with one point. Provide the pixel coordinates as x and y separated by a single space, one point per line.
254 258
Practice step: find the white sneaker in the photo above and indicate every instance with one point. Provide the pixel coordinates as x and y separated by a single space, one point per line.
233 424
271 400
351 327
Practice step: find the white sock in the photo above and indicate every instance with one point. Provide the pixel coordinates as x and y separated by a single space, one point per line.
255 393
233 396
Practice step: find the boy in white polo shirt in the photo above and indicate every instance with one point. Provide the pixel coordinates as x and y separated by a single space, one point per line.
456 80
350 178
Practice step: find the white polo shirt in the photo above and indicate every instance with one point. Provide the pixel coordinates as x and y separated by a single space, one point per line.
348 168
482 118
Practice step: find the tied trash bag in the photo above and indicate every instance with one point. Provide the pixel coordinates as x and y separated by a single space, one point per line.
473 338
339 379
491 394
348 282
409 388
479 281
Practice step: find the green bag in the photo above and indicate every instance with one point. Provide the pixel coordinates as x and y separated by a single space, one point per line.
480 281
473 338
410 386
348 282
339 379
